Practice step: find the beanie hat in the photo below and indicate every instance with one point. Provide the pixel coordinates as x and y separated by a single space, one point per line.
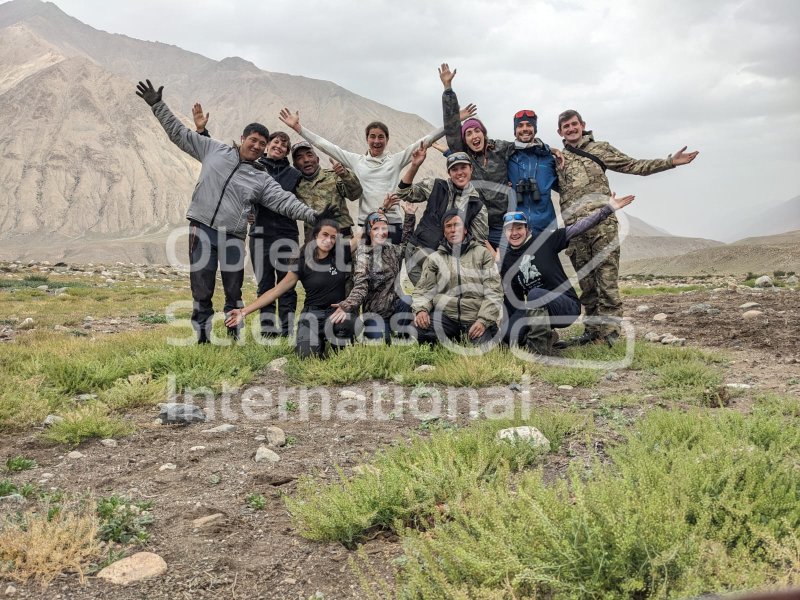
470 123
525 115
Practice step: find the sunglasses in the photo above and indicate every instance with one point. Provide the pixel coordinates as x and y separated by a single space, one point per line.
525 113
375 217
515 217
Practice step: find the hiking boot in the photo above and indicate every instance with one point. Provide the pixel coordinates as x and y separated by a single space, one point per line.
581 340
538 338
611 338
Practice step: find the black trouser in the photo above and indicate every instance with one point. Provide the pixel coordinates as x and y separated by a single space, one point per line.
314 329
207 248
270 264
441 324
562 310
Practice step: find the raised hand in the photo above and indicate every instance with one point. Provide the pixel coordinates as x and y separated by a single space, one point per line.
200 119
440 147
292 120
446 75
330 212
418 155
149 94
234 318
337 316
408 207
495 253
681 157
390 201
617 203
338 167
470 110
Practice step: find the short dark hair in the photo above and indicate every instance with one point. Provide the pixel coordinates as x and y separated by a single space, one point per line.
256 128
281 136
376 125
567 115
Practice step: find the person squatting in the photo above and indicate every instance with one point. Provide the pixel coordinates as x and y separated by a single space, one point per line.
483 258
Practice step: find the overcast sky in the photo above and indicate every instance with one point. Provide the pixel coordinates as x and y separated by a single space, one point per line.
649 77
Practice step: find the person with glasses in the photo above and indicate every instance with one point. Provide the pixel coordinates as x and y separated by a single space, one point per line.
584 187
441 195
459 294
538 295
376 283
323 268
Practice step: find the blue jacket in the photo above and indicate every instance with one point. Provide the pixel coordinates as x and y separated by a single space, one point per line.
538 163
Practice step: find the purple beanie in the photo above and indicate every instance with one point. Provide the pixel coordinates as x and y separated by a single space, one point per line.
469 124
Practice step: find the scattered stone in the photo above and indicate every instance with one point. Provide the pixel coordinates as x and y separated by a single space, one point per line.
109 443
347 394
660 317
264 454
60 328
764 281
75 454
749 305
12 499
642 308
752 314
529 434
360 398
738 386
142 565
44 288
47 475
196 448
700 308
224 428
276 436
260 438
168 467
86 397
88 319
277 365
792 280
206 521
565 387
671 340
51 420
612 376
652 336
183 414
26 324
424 369
11 590
515 387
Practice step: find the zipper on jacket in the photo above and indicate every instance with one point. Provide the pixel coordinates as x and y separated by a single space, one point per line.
460 291
219 202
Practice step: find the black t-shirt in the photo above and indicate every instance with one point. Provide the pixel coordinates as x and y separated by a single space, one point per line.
324 280
535 264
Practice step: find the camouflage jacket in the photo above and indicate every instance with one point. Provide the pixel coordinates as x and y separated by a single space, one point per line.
584 185
490 167
328 188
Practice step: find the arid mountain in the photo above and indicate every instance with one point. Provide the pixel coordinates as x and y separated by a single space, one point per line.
84 159
646 241
771 220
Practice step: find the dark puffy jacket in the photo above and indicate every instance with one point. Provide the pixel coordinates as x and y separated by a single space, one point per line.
490 174
270 224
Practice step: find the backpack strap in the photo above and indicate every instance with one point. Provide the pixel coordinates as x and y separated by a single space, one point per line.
586 154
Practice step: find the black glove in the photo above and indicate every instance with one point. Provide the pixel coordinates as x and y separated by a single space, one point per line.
148 92
330 212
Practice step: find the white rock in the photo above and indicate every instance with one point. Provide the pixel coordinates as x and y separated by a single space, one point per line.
276 436
264 454
749 305
660 317
109 280
529 434
26 324
196 448
565 387
792 280
11 590
424 369
260 438
348 394
168 467
51 420
642 308
278 364
738 386
652 336
75 454
47 475
206 521
224 428
764 281
360 398
109 443
142 565
752 314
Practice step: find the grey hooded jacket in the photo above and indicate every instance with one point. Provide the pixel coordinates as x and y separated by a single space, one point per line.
227 187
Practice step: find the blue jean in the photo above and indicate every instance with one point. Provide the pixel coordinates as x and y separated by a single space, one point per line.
373 324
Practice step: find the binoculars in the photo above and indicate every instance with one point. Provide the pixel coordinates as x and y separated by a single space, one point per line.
528 187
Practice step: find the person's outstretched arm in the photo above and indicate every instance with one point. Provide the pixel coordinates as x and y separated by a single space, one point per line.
601 214
292 119
452 114
622 163
237 315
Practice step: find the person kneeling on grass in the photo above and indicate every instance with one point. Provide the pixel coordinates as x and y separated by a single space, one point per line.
459 291
376 285
538 296
322 268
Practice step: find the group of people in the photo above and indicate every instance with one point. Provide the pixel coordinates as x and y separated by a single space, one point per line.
483 258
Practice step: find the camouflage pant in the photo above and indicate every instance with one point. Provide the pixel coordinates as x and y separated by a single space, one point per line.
597 252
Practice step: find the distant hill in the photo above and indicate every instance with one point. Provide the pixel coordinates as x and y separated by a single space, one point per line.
771 220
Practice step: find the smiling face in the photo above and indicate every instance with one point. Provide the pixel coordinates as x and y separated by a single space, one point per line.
572 130
474 139
277 148
454 230
376 141
379 232
525 132
326 238
516 233
461 175
306 161
252 146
